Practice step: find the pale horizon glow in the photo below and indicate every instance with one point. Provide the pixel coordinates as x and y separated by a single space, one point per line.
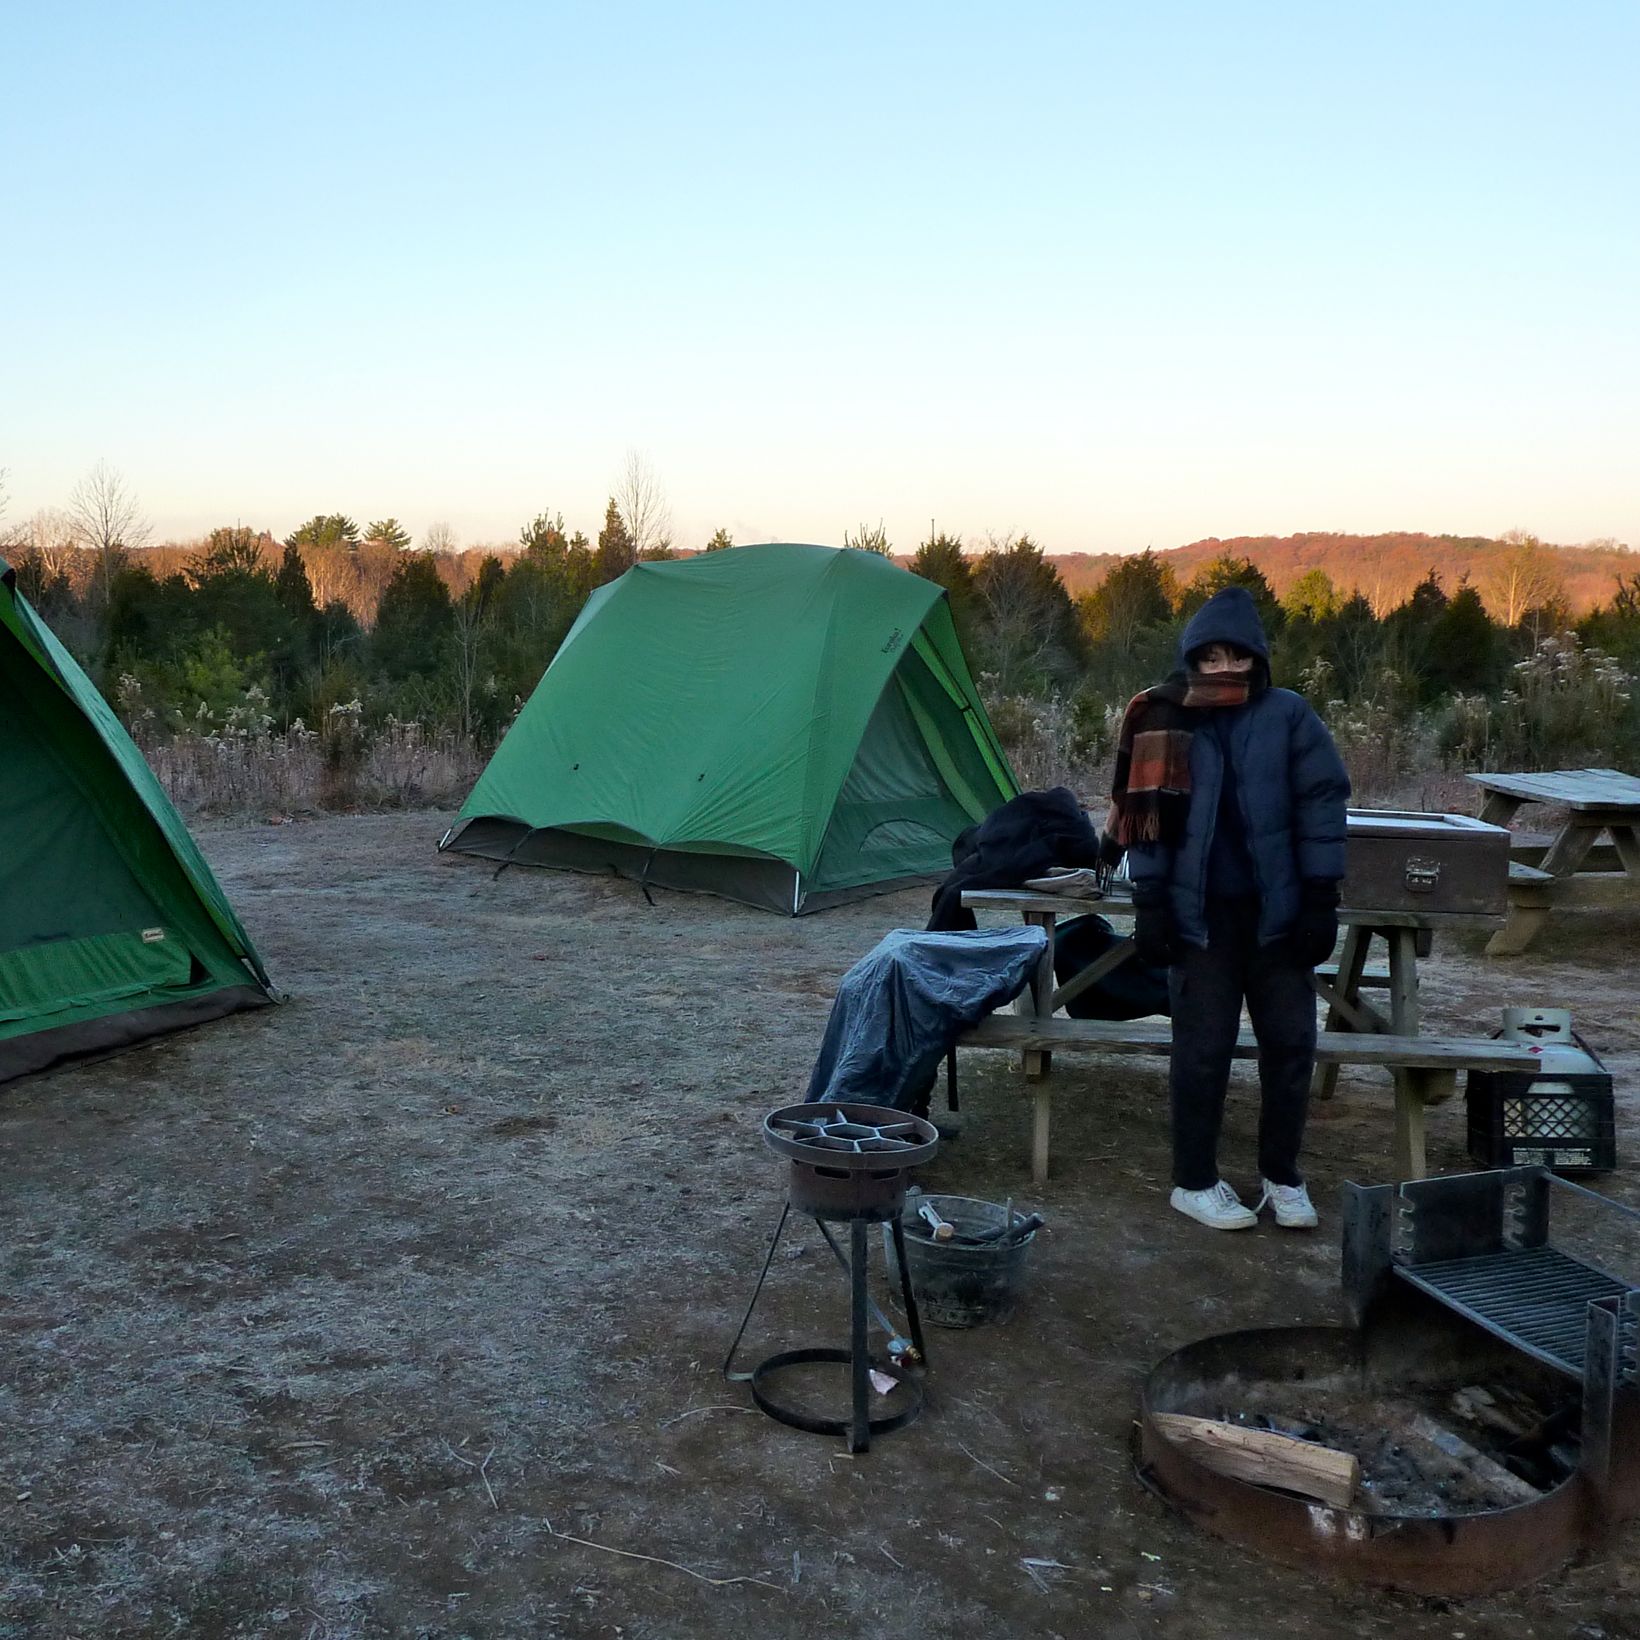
1111 276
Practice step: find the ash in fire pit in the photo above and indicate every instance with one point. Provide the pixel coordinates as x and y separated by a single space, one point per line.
1429 1451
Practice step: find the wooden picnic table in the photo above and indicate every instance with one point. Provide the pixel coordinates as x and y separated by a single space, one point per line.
1406 934
1596 800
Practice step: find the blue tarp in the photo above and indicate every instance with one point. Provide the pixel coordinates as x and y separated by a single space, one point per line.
901 1007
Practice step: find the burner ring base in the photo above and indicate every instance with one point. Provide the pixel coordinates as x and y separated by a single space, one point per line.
796 1418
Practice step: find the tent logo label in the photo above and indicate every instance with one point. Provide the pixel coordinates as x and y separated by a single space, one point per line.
894 640
152 936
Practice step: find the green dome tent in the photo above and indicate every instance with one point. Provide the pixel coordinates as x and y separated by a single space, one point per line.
786 725
112 927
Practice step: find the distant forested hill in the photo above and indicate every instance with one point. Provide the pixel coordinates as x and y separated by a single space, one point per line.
1383 567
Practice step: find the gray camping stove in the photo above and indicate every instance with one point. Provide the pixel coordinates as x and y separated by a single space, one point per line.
846 1164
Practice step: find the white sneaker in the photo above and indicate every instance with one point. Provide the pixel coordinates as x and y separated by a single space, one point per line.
1219 1208
1293 1208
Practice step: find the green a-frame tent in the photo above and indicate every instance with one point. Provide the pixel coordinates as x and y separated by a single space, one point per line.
786 725
112 927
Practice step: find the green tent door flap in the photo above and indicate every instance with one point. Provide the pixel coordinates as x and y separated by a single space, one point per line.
786 725
112 927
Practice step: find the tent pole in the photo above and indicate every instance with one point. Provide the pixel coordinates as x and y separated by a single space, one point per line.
512 851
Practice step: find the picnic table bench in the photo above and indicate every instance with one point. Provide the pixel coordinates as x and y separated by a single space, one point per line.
1597 801
1357 1033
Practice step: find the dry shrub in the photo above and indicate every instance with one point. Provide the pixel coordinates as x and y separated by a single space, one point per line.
247 767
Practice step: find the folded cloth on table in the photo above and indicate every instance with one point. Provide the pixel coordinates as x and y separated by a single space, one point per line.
1075 882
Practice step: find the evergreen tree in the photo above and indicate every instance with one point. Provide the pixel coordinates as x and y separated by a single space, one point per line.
1137 593
234 546
1312 597
1428 601
413 621
1408 632
1353 647
1463 651
720 542
292 586
535 605
870 538
1027 632
325 530
388 532
616 551
544 534
1229 571
486 587
941 560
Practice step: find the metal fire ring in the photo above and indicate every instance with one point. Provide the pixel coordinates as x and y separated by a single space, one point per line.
1477 1552
850 1138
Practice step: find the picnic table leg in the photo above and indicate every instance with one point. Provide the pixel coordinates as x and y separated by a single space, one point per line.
1498 808
1403 980
1568 850
1409 1158
1410 1085
1529 908
1352 962
1627 843
1036 999
1039 1134
1415 1091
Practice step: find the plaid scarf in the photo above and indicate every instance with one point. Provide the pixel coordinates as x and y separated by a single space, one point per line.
1150 790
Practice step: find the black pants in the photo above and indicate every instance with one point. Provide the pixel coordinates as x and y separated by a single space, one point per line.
1207 987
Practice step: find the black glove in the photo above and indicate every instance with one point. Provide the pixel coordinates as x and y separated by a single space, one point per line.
1154 932
1315 932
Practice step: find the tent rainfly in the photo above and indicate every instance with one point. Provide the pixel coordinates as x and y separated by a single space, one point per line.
112 927
791 726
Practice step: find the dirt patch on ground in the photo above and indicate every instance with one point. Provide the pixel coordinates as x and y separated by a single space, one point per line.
350 1317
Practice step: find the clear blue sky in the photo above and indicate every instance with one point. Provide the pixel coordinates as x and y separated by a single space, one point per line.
1110 274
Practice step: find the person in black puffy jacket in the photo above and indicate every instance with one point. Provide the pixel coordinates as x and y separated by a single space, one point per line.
1229 799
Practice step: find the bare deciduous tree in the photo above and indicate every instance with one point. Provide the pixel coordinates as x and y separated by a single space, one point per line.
439 537
49 535
331 573
106 519
642 503
10 539
471 626
1524 577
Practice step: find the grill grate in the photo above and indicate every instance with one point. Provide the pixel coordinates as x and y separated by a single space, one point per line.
1537 1299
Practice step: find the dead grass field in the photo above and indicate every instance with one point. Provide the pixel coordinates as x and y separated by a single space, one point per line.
350 1317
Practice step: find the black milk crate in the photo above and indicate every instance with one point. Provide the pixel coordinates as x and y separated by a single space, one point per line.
1559 1118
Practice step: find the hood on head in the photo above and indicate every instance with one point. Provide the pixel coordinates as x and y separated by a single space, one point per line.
1229 616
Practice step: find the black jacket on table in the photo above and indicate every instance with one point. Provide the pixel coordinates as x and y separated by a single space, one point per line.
1022 839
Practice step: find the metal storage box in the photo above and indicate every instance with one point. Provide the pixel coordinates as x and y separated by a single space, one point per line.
1406 861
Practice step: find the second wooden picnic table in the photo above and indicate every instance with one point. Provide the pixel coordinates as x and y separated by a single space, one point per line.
1595 800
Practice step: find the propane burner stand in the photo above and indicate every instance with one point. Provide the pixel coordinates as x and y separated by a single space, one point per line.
847 1164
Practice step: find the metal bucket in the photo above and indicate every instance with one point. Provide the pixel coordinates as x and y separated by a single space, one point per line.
958 1285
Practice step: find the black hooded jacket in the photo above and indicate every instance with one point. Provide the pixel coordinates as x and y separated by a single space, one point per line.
1290 788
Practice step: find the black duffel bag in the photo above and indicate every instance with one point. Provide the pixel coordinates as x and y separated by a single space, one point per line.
1131 990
